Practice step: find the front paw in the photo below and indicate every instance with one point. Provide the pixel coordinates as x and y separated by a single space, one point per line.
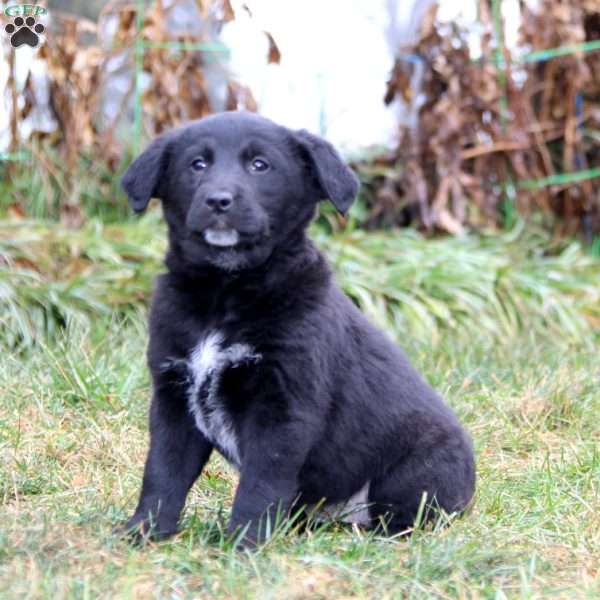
142 529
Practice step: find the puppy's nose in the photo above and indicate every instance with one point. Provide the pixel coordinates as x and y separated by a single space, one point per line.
220 202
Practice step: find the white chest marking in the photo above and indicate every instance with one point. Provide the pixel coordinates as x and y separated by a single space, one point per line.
206 365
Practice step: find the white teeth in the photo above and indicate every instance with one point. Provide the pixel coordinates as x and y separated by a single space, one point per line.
222 237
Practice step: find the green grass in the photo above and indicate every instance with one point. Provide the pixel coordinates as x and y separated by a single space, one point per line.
73 438
505 326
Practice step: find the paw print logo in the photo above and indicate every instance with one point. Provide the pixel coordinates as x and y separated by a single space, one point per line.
24 31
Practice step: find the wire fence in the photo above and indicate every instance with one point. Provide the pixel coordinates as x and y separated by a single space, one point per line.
141 46
536 57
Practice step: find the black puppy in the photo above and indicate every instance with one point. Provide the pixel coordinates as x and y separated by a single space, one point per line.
256 352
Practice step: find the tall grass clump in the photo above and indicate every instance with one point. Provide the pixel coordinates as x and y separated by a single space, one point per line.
51 275
499 285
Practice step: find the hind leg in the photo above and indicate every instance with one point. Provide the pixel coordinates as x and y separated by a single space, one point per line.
445 473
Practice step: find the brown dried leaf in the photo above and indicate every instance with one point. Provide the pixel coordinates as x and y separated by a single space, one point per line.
274 55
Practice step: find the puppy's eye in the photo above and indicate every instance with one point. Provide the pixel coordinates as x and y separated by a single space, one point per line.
259 165
199 164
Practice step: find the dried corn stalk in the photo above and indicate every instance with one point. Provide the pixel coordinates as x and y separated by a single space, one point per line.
479 129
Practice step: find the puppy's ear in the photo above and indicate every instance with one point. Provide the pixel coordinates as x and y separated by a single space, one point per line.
142 180
335 179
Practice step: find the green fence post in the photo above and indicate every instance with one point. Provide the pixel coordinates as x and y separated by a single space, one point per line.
139 69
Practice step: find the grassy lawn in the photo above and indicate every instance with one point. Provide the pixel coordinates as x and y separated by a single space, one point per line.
73 438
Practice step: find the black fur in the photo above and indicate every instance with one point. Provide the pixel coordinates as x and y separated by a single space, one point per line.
327 402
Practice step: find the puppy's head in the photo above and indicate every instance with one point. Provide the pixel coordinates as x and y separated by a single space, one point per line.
235 186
